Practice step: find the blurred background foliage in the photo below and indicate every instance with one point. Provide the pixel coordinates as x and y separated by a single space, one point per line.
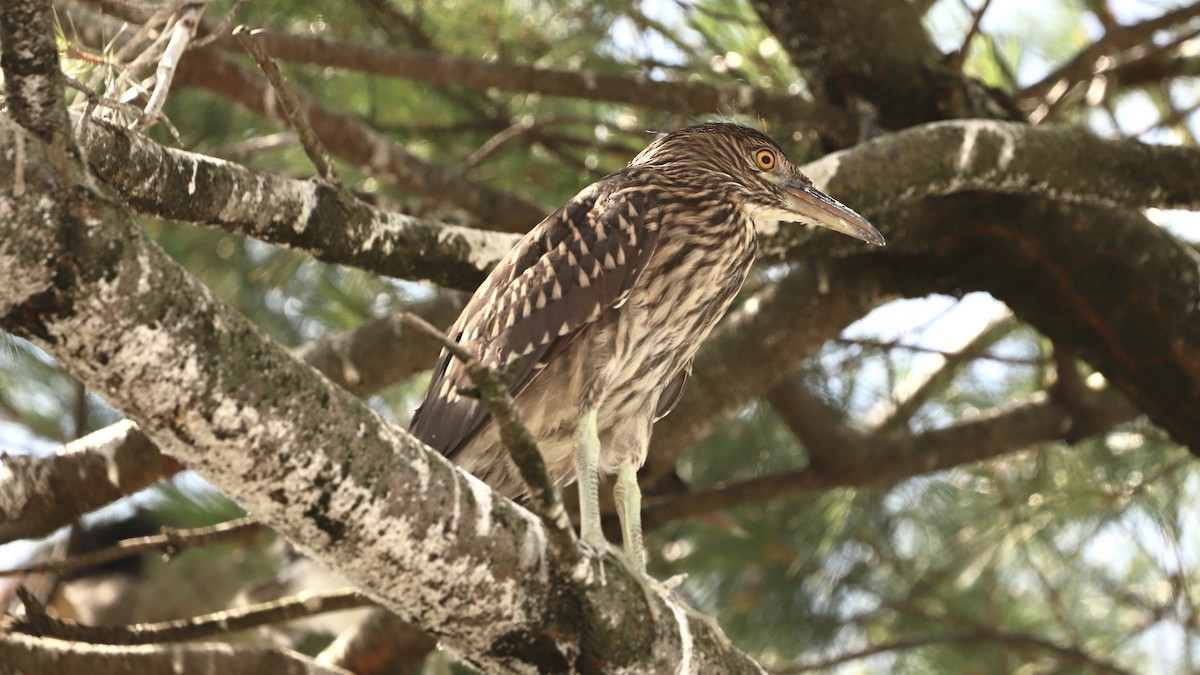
1057 558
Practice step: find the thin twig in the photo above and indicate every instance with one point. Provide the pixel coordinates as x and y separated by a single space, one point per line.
960 57
1083 63
219 31
900 644
181 34
521 445
170 542
293 110
304 604
969 353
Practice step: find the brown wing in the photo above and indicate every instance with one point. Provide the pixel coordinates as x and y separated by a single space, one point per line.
560 277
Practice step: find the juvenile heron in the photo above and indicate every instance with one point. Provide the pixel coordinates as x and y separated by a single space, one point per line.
596 314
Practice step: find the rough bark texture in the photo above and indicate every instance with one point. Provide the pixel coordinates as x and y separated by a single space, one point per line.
39 495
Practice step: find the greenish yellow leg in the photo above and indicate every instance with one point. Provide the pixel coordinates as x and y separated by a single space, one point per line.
587 462
629 509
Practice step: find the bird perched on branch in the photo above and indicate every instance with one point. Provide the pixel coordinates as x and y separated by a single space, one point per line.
596 314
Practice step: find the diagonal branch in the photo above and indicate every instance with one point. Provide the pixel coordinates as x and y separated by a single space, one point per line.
1081 65
41 494
182 32
520 443
302 215
920 386
357 143
291 108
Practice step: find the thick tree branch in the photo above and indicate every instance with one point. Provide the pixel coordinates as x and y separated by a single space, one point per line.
303 215
1065 164
380 644
40 494
877 51
1055 266
33 83
939 159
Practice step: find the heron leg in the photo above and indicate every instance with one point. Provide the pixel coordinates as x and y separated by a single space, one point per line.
628 496
587 470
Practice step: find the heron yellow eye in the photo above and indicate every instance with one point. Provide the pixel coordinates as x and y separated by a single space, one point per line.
765 159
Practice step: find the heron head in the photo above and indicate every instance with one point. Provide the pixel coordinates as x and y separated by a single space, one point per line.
751 167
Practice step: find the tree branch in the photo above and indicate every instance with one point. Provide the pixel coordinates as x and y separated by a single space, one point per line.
381 643
344 135
1083 63
302 215
33 82
920 386
48 655
170 542
946 158
291 108
217 624
883 460
40 494
687 98
356 143
520 444
425 65
182 32
939 159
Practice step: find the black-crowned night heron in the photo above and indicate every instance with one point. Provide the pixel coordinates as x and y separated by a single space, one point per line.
596 314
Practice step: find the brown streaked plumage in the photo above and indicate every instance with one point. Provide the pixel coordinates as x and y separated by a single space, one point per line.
599 310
